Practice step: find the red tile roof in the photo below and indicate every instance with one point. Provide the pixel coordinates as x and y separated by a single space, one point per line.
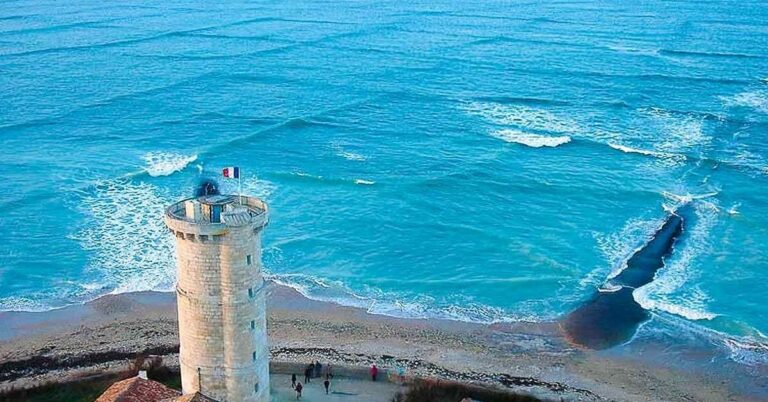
137 390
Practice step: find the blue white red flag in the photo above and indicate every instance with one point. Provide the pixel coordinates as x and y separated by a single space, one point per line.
231 172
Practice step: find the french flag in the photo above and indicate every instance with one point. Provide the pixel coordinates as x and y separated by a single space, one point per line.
231 172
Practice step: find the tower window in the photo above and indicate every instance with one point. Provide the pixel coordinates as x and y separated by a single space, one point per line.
253 324
250 292
248 259
253 356
256 388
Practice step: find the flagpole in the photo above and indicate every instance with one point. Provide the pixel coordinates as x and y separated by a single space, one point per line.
239 189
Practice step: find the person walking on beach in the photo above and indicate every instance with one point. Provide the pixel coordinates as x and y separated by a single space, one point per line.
327 383
293 381
401 373
374 372
307 374
329 371
299 387
318 369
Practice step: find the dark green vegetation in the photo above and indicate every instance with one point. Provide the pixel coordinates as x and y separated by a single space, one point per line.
87 390
441 391
81 391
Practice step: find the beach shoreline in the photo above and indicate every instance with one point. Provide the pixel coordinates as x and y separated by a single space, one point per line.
101 335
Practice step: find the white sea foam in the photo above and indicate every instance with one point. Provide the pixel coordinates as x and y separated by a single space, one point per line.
24 303
364 182
346 154
746 158
166 163
609 287
352 156
531 140
692 309
675 201
524 117
321 289
674 290
390 304
67 292
127 243
749 350
662 155
619 246
679 133
746 351
309 176
757 100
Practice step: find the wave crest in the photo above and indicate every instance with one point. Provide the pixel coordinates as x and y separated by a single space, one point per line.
525 117
393 305
656 154
756 100
531 140
166 163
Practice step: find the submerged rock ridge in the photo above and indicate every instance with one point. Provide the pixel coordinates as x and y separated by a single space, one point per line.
611 316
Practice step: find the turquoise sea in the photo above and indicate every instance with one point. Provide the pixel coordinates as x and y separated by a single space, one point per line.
488 161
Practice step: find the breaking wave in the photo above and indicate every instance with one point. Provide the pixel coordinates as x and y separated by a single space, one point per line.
674 290
746 351
523 116
128 245
166 163
531 140
756 100
619 246
662 155
127 241
375 301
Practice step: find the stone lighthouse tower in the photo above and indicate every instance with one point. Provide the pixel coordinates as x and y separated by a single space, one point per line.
220 296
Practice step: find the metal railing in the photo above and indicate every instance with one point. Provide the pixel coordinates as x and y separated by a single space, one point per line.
255 207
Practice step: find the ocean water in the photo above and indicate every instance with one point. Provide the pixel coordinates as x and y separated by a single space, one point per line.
484 162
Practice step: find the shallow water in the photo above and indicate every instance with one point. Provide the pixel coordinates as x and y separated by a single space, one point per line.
476 162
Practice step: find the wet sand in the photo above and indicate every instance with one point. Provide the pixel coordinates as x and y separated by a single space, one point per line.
105 334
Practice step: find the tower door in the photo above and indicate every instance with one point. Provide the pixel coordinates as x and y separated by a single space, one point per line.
216 213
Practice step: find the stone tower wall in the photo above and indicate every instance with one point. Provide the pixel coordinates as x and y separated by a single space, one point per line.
222 317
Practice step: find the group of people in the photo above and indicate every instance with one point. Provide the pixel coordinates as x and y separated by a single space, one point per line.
316 370
313 370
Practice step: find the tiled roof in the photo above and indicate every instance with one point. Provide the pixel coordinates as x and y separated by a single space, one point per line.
137 390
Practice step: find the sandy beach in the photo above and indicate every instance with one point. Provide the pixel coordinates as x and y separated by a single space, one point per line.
104 335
